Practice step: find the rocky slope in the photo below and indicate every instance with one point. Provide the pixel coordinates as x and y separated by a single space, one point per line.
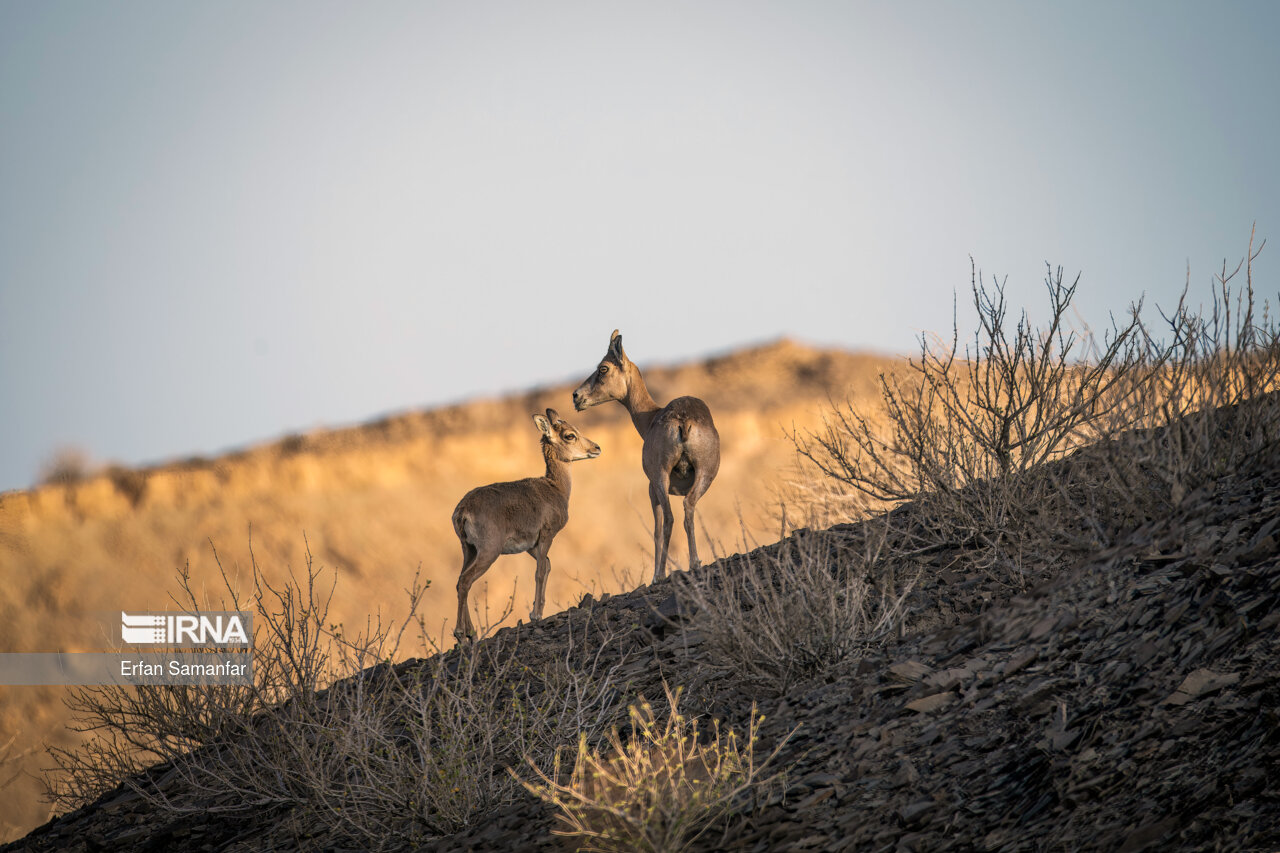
1129 703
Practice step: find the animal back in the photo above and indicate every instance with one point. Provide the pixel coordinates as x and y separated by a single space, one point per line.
685 415
515 514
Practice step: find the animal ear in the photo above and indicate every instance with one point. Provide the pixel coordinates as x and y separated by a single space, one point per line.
543 424
615 346
553 416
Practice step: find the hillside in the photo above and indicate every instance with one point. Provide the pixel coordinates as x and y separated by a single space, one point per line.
1126 703
373 503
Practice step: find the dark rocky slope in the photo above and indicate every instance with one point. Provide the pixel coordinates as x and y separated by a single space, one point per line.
1130 703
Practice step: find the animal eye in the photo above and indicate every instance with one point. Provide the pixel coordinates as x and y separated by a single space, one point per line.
604 368
570 437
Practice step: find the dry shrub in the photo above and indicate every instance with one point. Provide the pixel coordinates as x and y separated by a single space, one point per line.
331 733
986 440
67 465
663 788
779 615
963 432
1211 408
296 652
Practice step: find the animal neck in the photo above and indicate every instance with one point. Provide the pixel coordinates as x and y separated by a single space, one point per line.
557 470
638 401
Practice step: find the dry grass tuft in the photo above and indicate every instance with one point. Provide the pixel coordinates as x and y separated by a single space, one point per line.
662 789
777 616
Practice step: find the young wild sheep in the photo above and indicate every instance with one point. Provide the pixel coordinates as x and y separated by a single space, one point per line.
523 515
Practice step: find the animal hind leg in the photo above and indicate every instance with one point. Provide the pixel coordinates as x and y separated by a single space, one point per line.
472 569
663 520
700 485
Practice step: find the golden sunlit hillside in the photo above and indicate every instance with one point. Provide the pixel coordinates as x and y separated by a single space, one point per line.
373 503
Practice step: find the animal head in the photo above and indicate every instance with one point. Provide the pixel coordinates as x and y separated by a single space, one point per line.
610 380
563 438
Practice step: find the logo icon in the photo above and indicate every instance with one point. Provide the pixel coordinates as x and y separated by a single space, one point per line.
138 630
182 629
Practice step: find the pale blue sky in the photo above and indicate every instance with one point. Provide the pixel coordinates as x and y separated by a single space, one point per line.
220 222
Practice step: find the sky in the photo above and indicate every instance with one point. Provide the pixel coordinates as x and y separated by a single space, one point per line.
224 222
